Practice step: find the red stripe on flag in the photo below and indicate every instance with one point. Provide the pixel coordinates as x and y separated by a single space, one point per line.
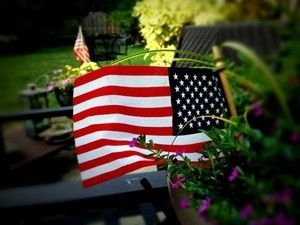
99 143
121 70
109 157
126 110
124 91
123 128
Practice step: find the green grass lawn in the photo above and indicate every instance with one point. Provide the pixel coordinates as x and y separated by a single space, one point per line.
16 71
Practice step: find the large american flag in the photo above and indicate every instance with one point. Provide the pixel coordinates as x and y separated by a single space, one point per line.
81 51
114 104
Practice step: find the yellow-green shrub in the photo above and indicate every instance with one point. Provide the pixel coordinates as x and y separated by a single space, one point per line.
161 21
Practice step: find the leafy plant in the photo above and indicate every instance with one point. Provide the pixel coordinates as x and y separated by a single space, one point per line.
161 22
248 173
63 79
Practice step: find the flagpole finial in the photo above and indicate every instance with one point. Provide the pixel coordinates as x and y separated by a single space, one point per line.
218 59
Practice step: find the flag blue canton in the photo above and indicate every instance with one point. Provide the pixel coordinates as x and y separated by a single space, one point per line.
196 94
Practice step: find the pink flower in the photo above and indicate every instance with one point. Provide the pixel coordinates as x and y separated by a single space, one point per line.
133 142
282 219
179 152
256 108
205 204
282 197
262 221
50 87
246 211
295 137
279 219
285 196
178 181
65 81
201 158
234 174
184 203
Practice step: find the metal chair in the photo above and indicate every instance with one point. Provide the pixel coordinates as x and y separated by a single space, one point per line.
200 39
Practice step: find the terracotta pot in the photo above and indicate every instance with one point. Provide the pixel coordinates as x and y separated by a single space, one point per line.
185 216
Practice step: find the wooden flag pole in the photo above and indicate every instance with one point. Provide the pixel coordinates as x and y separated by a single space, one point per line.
218 59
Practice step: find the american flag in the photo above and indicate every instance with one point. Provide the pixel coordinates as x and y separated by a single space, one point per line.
80 49
114 104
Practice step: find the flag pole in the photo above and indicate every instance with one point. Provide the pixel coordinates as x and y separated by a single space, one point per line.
218 59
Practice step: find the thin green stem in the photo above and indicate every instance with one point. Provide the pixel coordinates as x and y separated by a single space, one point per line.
266 72
210 65
247 110
213 166
241 80
153 51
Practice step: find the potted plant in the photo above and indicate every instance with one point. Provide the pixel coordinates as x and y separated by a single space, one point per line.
63 80
247 173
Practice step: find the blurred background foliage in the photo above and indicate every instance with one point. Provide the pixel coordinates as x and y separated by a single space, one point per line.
161 21
29 24
37 37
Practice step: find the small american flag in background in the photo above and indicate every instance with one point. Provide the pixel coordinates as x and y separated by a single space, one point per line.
114 104
80 49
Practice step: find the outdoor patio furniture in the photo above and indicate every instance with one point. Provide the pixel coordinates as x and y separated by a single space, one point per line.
200 39
68 202
46 201
102 37
19 151
122 44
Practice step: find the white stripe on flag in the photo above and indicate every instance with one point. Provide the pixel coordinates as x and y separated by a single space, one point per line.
124 119
138 102
103 151
164 140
